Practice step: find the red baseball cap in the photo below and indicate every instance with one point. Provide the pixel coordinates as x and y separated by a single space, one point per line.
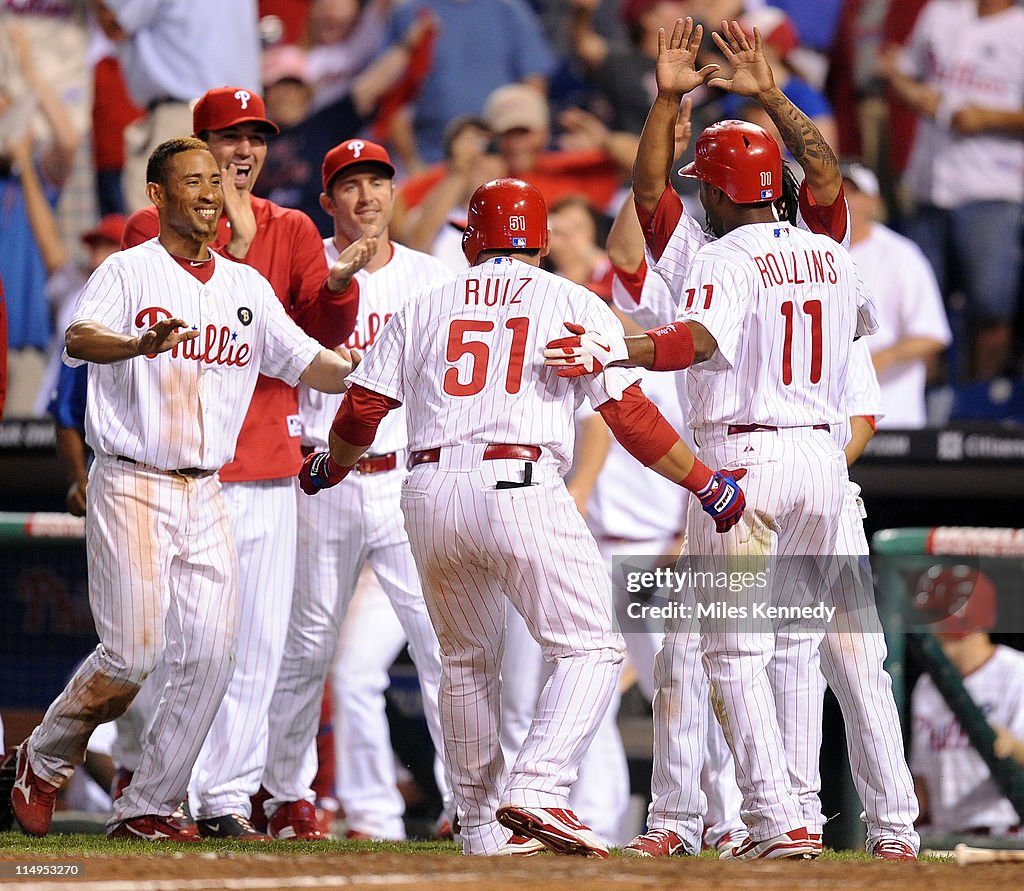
776 28
352 152
110 228
227 106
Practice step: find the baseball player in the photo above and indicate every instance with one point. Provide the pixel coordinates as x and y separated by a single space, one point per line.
853 651
955 786
176 337
777 344
358 523
285 247
488 515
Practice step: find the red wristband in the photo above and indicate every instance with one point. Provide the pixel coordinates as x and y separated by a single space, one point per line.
673 347
698 478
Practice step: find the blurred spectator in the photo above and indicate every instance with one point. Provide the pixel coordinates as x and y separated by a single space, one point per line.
3 381
816 21
283 21
780 40
65 281
962 72
438 219
624 75
592 161
912 326
172 52
954 786
574 251
344 35
291 176
112 112
481 45
27 172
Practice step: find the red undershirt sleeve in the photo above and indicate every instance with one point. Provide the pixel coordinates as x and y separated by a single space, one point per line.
638 425
659 226
359 415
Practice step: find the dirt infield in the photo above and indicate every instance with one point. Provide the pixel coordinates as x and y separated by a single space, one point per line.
243 871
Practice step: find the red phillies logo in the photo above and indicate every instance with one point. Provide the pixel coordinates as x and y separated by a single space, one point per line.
373 325
216 345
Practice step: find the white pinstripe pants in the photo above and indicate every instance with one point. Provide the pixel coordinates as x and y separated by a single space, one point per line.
340 529
162 585
474 546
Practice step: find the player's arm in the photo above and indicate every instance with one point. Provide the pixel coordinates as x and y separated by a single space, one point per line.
71 454
329 369
668 348
591 451
909 349
676 75
862 428
353 431
752 76
91 341
921 791
642 430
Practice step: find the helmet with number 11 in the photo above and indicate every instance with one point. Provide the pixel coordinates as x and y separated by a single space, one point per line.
506 215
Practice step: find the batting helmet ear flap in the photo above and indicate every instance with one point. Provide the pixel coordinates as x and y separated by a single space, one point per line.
505 215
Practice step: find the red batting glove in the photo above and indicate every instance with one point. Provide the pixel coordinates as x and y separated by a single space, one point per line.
586 352
319 472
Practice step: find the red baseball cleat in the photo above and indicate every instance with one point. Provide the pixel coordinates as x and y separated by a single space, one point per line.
154 828
893 849
32 799
655 843
295 820
796 844
559 829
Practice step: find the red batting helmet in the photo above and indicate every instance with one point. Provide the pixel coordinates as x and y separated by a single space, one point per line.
505 215
958 599
739 158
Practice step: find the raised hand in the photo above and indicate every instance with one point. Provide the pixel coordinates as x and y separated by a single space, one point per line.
585 352
164 336
751 73
676 72
352 259
723 500
238 208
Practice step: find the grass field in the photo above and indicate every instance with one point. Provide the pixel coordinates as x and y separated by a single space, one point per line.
108 865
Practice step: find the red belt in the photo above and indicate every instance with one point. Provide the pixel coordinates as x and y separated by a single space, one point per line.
371 464
756 428
492 453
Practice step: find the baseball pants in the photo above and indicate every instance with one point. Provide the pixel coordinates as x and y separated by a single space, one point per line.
476 545
162 585
358 522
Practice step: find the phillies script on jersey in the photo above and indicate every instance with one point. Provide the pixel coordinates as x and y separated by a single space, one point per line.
216 344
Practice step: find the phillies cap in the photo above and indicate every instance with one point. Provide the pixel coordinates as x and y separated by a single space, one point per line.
776 28
110 228
228 106
352 152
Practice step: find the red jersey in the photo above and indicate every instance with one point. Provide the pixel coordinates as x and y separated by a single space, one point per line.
289 252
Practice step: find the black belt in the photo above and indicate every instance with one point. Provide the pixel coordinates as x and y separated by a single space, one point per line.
757 428
194 473
493 452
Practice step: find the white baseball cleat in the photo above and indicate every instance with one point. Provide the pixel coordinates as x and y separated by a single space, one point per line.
520 846
558 829
796 844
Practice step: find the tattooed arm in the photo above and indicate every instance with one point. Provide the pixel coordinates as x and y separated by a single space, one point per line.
752 76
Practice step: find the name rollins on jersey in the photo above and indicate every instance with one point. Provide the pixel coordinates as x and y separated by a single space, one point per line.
496 292
215 345
793 268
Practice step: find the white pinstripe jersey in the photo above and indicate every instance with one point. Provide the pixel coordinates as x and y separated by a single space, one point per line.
381 295
784 306
184 407
466 357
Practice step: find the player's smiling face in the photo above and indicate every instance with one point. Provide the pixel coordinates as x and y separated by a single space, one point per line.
193 197
241 150
361 198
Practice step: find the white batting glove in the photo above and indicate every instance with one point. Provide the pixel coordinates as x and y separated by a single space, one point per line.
586 352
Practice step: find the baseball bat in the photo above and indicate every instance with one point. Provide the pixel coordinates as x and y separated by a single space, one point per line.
965 854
